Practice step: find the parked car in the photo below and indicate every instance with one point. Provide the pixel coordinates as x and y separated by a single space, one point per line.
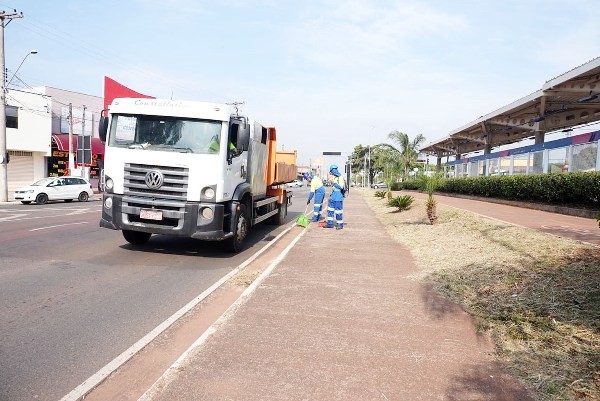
379 185
295 184
55 188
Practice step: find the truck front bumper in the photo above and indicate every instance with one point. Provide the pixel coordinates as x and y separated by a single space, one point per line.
186 221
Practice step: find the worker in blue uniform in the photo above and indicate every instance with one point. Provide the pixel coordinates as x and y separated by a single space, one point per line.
336 200
317 190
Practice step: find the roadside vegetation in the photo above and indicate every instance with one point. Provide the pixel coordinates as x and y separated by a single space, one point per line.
536 294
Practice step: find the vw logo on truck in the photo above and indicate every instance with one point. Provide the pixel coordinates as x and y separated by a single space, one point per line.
154 179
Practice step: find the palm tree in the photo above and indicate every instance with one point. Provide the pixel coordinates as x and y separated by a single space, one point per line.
408 149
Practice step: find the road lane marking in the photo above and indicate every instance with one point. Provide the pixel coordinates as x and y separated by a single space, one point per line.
170 374
58 225
12 217
79 392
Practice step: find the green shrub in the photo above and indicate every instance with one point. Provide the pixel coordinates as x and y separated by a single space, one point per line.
396 186
557 188
380 194
401 202
410 184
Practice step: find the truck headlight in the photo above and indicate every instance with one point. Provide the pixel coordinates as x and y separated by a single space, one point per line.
108 202
207 213
208 193
108 183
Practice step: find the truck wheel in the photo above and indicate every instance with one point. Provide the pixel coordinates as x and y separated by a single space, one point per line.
279 218
136 237
235 243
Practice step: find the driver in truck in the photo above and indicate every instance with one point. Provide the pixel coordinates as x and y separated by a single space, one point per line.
215 145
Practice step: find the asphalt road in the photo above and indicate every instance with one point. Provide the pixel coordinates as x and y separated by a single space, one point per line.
73 296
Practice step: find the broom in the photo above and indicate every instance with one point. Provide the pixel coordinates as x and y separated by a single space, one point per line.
302 220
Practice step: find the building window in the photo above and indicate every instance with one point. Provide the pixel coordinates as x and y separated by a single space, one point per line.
12 117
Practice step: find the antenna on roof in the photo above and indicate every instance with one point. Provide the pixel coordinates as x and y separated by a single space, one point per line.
235 106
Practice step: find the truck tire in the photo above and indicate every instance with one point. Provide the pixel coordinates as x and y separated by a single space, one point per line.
136 237
279 218
236 242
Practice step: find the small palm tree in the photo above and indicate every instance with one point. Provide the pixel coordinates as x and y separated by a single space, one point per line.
430 185
380 194
401 202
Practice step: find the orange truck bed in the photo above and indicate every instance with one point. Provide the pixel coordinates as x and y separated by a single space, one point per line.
281 165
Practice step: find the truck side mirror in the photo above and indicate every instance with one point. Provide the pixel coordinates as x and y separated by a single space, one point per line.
103 127
243 141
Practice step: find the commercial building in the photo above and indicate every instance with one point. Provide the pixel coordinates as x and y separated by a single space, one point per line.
37 132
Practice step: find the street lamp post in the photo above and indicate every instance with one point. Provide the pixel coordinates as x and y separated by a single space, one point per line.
32 51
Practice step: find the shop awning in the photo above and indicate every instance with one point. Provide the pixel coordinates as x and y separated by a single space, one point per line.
62 143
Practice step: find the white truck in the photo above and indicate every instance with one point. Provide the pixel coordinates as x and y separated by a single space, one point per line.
190 169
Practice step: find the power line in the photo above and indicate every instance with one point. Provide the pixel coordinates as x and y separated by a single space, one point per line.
93 51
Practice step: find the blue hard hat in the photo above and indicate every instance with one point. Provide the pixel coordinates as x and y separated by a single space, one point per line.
307 176
333 167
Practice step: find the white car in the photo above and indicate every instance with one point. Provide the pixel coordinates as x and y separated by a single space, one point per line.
379 185
55 188
295 183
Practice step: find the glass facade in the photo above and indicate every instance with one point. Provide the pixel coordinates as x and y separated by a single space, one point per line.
558 161
584 157
521 164
565 155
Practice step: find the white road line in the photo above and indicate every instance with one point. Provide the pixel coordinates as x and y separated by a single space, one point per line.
170 374
58 225
79 392
12 217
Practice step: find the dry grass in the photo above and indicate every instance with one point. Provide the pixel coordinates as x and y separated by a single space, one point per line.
538 294
244 278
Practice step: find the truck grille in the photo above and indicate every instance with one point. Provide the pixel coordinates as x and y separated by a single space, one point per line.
170 197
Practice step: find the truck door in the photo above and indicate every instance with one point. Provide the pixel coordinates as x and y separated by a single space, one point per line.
237 158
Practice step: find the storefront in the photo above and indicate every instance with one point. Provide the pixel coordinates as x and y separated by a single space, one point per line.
59 158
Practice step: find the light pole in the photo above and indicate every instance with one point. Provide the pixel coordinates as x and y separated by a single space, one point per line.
32 51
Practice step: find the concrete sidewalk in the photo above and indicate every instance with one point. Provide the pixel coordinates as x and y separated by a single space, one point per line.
339 318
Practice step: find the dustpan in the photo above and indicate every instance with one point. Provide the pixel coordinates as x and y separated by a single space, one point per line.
302 220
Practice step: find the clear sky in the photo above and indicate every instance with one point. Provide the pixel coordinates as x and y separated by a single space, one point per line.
329 75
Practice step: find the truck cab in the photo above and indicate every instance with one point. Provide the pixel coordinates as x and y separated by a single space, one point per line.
185 169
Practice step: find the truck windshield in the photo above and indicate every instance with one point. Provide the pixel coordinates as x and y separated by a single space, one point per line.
164 133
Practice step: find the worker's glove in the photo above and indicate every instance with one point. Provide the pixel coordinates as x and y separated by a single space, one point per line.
308 202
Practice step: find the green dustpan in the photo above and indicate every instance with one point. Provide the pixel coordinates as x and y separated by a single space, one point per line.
302 220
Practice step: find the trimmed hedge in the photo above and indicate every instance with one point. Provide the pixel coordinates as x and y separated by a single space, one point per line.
410 184
562 188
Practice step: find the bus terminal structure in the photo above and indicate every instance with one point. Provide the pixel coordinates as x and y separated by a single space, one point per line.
567 102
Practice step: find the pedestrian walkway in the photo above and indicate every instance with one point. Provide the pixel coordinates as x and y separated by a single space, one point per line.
340 318
562 225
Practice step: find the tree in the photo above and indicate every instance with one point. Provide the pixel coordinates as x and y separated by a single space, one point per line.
430 185
408 149
367 156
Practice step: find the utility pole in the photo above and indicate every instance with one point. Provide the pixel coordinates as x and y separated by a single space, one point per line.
4 16
71 158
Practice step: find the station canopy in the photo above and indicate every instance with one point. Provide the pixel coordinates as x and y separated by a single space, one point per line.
569 100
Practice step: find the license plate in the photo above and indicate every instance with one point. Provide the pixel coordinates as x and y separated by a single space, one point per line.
151 214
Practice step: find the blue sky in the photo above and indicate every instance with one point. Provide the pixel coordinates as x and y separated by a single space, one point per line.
329 75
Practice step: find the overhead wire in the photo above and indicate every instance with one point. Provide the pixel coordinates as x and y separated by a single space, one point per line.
93 51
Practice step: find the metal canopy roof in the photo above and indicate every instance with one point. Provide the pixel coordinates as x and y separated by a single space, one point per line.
568 100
